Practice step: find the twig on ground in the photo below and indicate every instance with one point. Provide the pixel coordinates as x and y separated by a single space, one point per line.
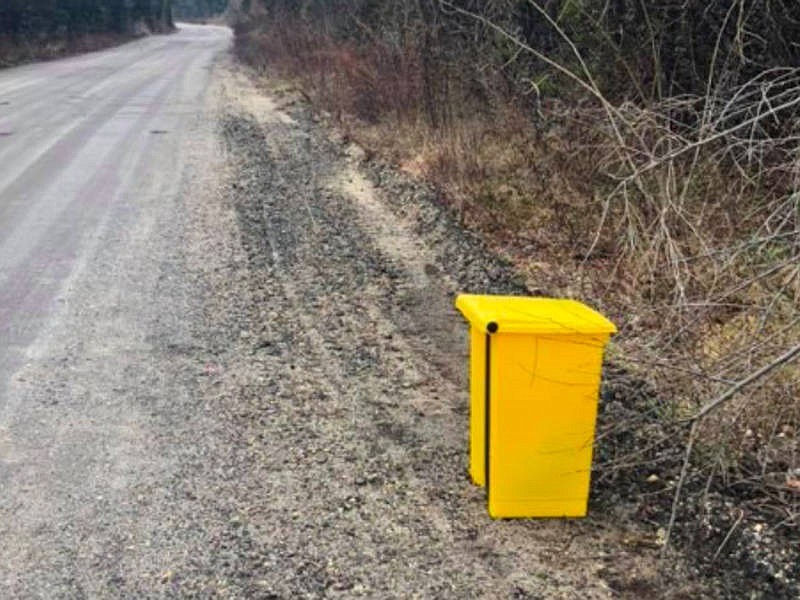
728 536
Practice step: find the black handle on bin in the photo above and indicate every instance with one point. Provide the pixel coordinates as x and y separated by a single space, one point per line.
492 327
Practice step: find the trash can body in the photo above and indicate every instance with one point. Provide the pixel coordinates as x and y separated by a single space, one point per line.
535 366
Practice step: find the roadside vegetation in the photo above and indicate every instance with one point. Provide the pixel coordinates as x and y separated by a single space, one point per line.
641 156
198 9
42 29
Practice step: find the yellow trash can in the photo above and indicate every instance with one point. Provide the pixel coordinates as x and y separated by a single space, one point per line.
535 366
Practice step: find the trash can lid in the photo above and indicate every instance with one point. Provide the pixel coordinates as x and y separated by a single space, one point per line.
519 314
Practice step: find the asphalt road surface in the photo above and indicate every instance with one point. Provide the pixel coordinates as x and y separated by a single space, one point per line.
80 139
229 364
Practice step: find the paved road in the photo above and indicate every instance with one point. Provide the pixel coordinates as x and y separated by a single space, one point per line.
96 154
79 139
229 363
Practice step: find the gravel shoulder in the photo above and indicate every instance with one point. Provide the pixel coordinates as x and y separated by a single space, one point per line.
257 389
358 393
